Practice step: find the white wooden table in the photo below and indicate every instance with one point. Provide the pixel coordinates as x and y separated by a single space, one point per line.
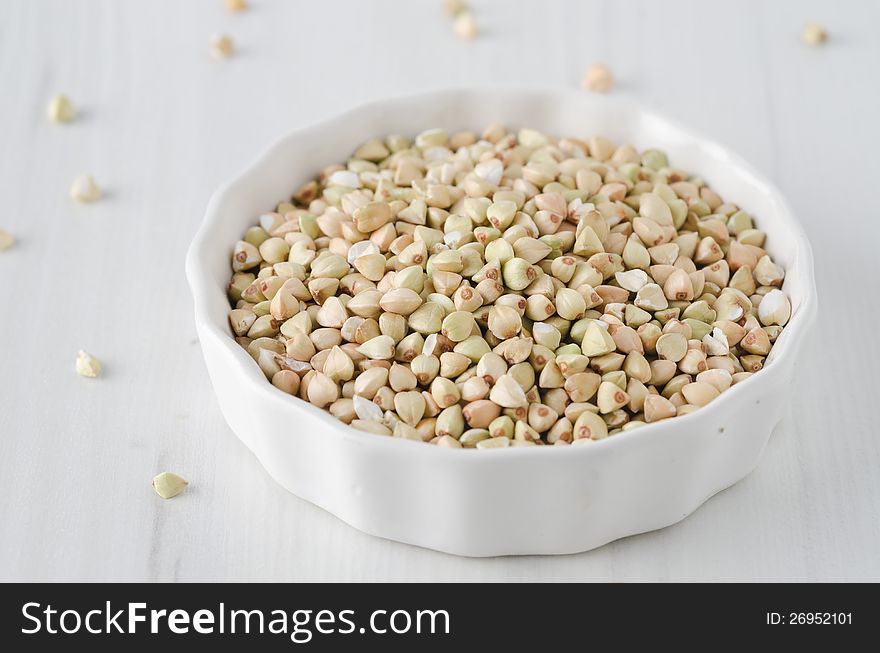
163 124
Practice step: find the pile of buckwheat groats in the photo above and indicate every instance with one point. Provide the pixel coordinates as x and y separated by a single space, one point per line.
505 289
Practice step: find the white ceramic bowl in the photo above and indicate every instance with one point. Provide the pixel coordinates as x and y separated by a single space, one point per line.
535 500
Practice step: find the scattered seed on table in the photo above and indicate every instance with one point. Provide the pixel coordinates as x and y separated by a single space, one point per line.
168 485
465 26
87 365
454 7
60 109
221 46
7 240
814 34
84 189
598 78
